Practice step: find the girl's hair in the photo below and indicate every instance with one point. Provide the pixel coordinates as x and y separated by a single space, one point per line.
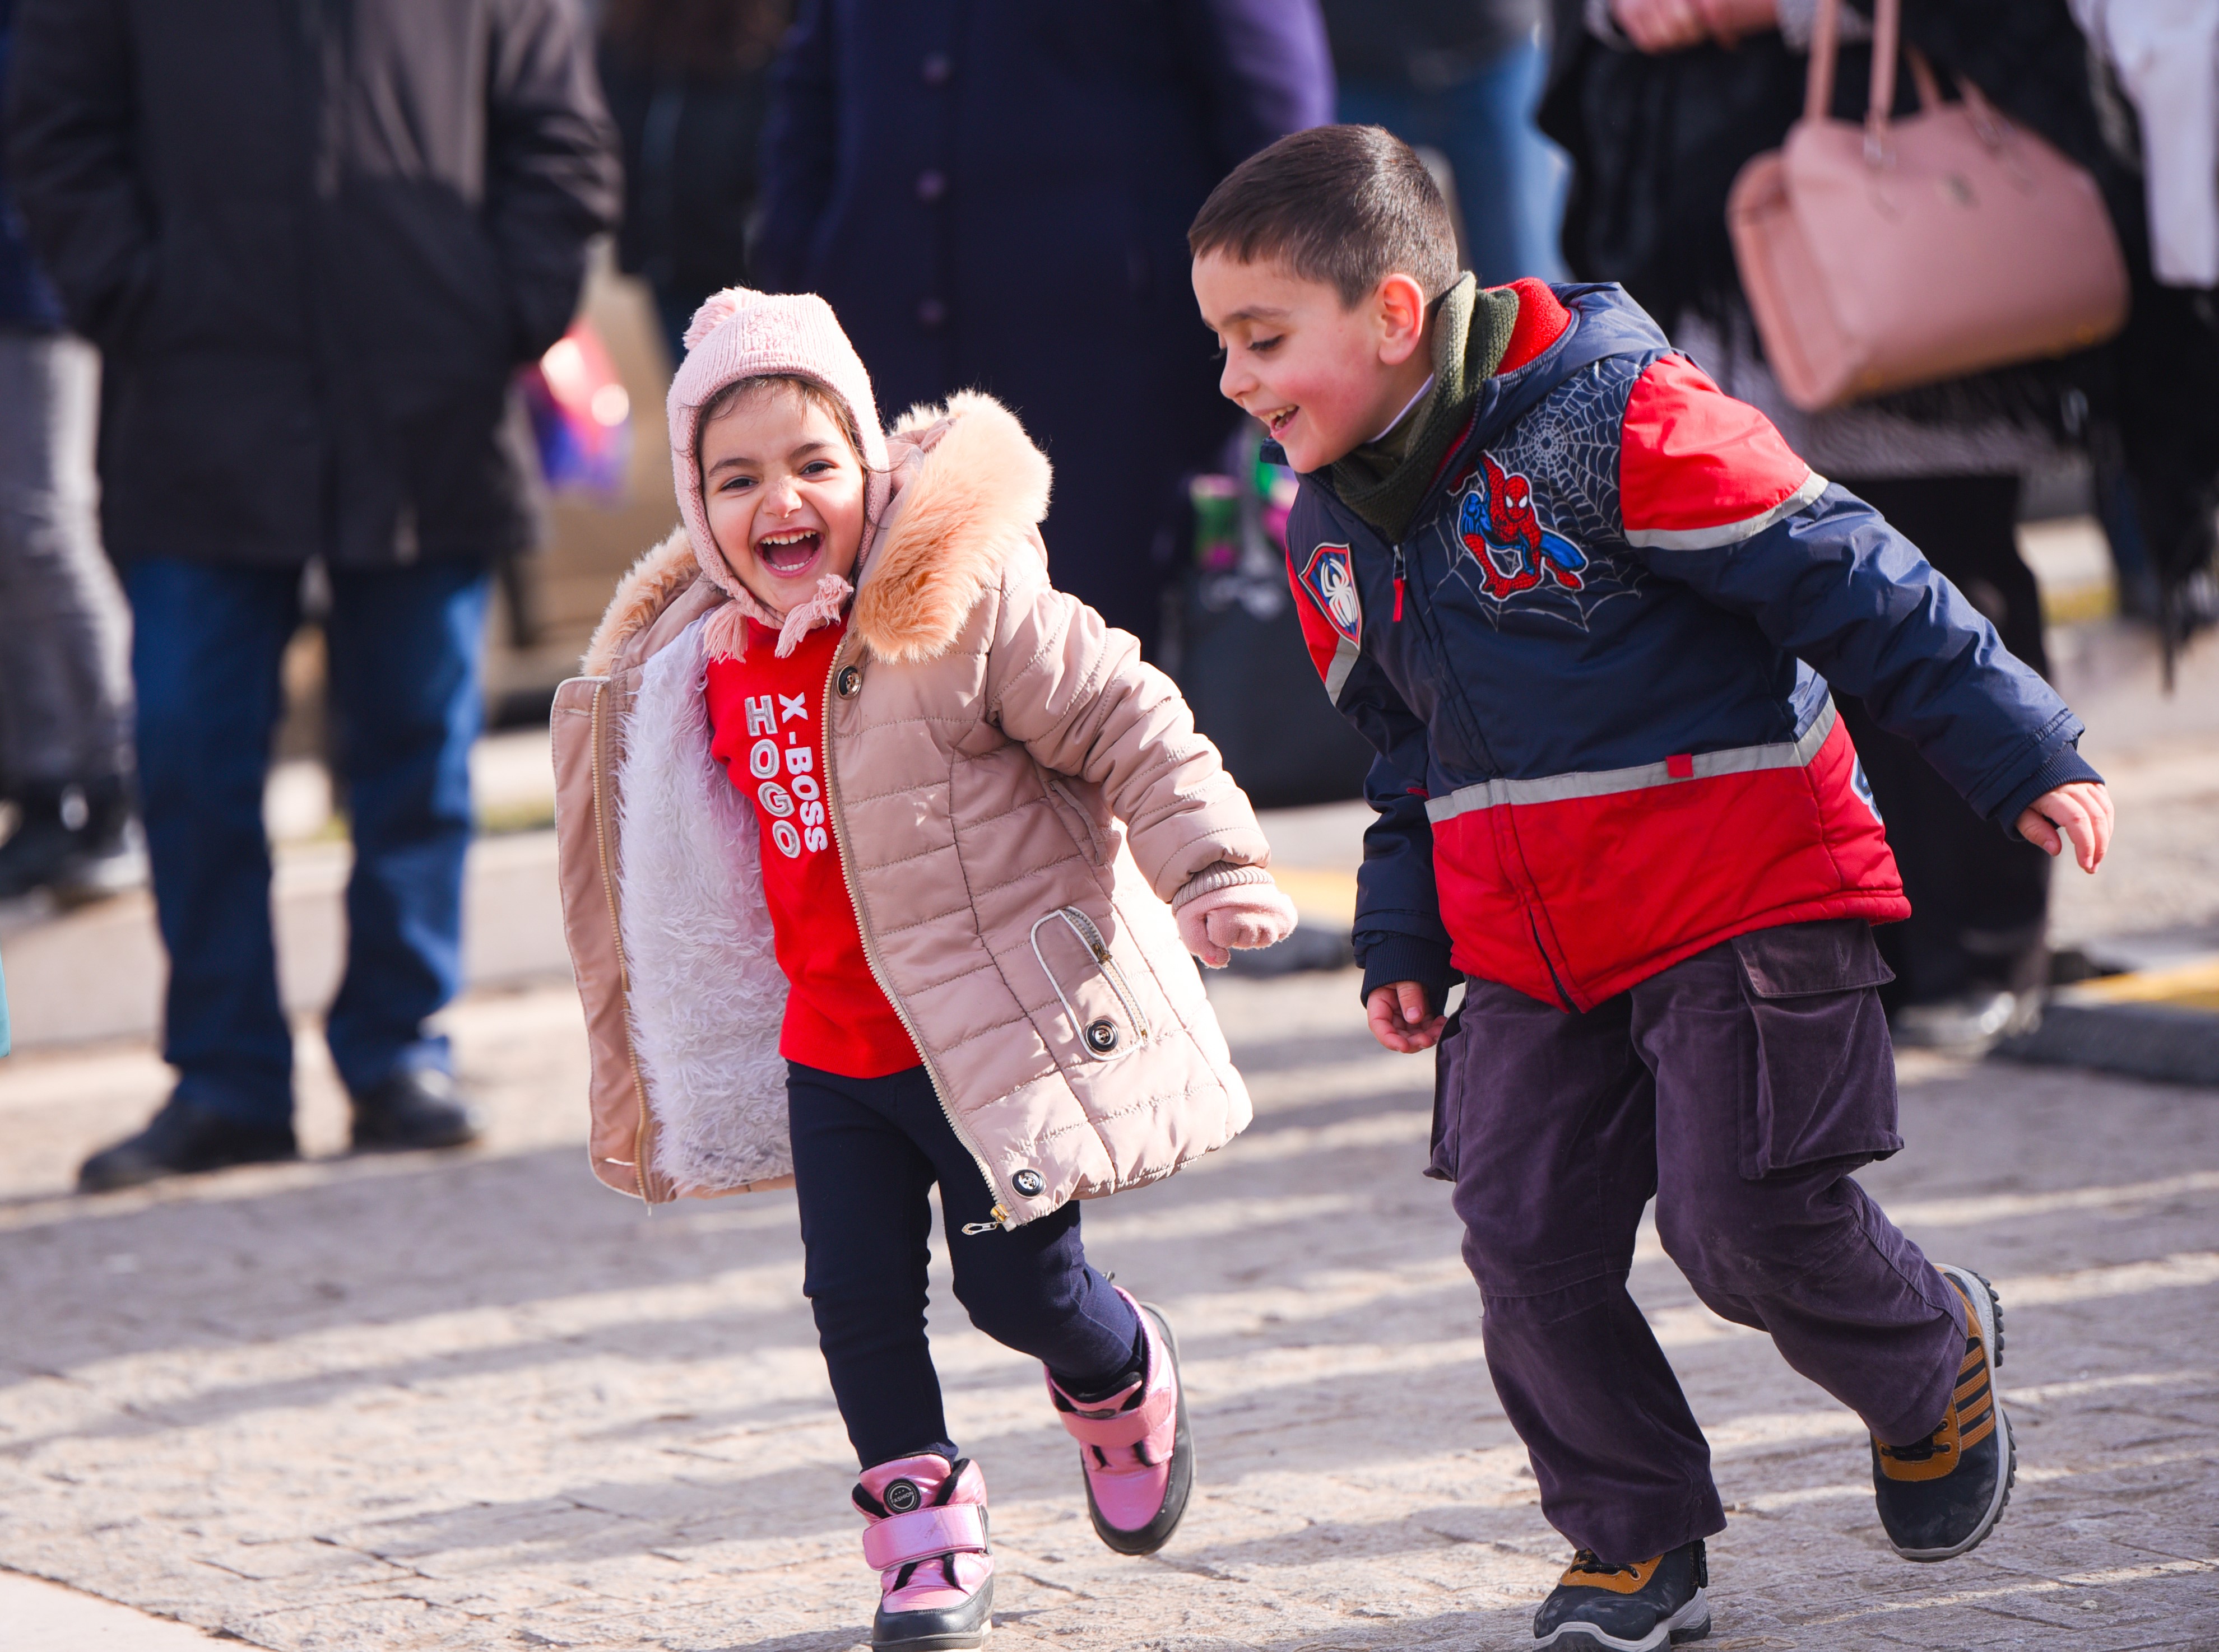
794 384
701 37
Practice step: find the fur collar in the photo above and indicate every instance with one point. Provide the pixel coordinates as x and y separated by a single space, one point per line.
969 489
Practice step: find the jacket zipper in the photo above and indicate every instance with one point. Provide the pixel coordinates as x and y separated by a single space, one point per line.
1398 582
1092 936
616 931
871 951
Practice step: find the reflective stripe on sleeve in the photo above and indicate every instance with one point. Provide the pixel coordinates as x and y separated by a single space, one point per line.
1728 533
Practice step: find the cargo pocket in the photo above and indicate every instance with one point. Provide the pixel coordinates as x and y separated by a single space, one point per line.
1106 1022
1825 1069
1448 1056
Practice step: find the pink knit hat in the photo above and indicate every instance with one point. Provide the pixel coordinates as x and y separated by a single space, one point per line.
739 335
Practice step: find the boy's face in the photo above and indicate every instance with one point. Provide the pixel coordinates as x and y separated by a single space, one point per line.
1325 378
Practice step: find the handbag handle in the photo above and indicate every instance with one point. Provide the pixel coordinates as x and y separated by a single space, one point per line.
1825 45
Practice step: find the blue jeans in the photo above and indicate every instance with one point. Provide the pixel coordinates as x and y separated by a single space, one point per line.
1510 180
866 1153
406 700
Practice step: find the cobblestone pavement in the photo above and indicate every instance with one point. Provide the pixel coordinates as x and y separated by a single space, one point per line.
476 1401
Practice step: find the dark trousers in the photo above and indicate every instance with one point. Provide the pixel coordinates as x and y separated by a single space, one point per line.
1980 902
866 1152
1740 1088
403 647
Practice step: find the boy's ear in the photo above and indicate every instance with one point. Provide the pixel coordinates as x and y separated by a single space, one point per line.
1398 306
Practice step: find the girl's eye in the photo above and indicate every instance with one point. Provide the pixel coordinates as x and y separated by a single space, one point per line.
733 484
819 468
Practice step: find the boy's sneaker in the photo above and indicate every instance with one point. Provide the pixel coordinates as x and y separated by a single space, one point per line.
1940 1496
1134 1446
1599 1607
927 1536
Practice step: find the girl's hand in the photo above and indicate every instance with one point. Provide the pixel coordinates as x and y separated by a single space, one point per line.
2081 811
1245 916
1400 1019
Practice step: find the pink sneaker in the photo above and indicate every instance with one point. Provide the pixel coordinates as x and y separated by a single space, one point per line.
1134 1447
927 1536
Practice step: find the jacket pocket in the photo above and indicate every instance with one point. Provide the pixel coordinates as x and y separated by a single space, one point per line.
1106 1020
1826 1068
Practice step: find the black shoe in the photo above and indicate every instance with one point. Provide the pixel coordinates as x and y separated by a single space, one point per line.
1599 1607
1940 1497
416 1107
183 1137
78 843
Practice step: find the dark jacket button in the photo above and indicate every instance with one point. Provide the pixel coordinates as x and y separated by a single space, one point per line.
1027 1183
850 681
1101 1035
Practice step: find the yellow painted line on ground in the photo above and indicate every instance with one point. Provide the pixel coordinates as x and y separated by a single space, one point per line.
1320 894
2186 986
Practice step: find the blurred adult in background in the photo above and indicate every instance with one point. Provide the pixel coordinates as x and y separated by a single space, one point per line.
64 638
313 242
994 194
1660 102
1462 77
688 84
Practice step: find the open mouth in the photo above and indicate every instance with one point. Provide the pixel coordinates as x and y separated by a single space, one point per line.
1278 419
789 551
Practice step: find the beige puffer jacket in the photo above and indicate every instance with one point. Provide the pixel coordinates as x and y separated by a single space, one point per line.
1015 796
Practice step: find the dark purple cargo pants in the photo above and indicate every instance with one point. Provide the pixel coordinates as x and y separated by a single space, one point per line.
1740 1088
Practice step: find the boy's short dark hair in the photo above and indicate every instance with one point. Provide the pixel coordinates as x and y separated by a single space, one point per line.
1349 205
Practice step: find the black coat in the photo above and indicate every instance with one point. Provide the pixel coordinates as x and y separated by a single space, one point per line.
314 240
995 194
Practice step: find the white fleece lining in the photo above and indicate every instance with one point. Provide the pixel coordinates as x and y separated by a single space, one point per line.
706 995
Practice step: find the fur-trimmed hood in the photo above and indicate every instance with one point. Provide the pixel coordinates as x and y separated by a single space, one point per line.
969 490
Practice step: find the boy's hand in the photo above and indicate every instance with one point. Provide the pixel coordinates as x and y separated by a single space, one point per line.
1400 1018
2081 811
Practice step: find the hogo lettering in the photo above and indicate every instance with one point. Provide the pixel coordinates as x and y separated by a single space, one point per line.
795 809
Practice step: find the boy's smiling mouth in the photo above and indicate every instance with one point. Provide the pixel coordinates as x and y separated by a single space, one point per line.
789 551
1278 417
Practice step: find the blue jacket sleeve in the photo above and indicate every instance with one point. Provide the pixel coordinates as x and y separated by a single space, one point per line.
799 142
1835 586
1398 934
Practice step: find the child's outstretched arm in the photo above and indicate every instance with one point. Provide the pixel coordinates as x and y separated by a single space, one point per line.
1084 704
2081 813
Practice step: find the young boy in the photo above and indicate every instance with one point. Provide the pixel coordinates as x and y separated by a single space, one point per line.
1587 608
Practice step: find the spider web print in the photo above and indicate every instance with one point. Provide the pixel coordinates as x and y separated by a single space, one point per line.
1568 450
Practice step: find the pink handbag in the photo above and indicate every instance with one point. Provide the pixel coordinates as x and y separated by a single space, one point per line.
1906 251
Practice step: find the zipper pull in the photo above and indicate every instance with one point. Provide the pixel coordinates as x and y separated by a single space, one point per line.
1398 585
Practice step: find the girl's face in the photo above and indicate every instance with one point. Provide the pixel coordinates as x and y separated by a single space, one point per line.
784 494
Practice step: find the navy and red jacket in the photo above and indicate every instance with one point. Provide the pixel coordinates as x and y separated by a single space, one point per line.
1596 672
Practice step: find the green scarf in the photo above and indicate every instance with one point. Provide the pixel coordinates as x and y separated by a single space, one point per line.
1384 481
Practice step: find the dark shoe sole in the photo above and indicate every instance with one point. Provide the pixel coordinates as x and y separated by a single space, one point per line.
1157 1531
1691 1622
139 1176
1989 1308
957 1630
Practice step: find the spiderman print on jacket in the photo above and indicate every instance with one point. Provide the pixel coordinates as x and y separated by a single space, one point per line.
1515 551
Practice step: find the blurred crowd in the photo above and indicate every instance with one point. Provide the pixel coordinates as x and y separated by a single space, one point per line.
268 277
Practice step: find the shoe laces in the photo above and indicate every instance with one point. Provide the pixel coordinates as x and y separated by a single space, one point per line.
1585 1560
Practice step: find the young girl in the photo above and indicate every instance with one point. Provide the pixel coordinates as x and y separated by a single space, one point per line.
845 786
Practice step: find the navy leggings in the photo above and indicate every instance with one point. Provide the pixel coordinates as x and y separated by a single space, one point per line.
866 1152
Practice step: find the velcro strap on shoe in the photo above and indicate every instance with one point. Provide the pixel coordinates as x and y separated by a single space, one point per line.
1153 1416
952 1528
